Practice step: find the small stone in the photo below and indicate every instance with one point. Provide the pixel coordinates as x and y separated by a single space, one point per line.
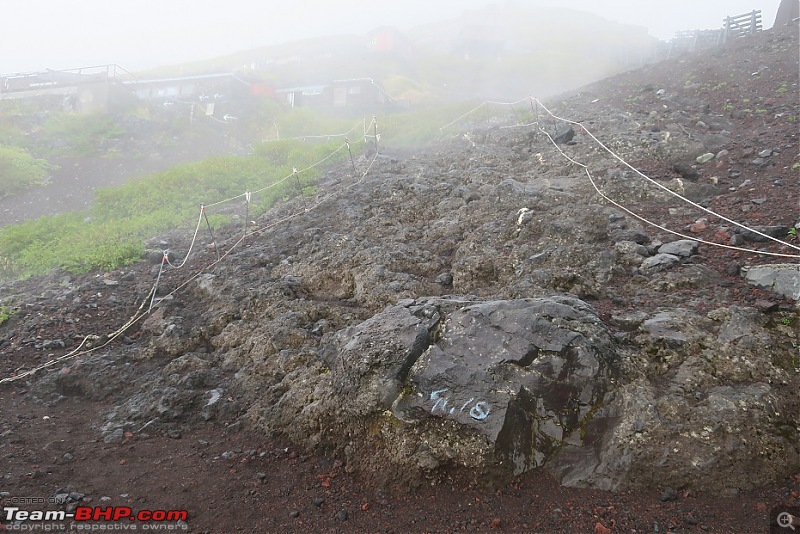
228 455
318 501
733 268
722 154
115 437
294 513
682 247
686 171
628 321
699 226
174 434
705 158
758 162
496 523
765 153
50 344
365 507
758 201
445 279
766 306
341 515
68 457
669 495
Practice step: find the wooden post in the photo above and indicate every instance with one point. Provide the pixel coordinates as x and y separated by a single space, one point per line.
753 22
375 120
727 31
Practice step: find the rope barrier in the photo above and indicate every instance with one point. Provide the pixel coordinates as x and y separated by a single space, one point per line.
536 104
647 221
151 295
481 105
668 190
210 231
194 238
247 195
164 259
75 353
326 136
246 211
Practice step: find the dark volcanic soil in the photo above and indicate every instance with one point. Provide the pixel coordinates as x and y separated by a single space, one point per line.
233 480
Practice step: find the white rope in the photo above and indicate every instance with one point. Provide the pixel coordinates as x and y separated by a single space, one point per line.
150 297
537 124
137 316
328 136
294 171
224 201
191 245
482 104
647 221
526 99
668 190
467 114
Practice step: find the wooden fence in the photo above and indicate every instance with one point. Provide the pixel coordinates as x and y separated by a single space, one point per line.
733 28
741 25
691 40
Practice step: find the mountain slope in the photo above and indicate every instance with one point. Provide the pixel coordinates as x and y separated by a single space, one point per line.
327 328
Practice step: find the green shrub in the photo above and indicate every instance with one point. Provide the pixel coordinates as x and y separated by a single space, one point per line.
19 170
6 313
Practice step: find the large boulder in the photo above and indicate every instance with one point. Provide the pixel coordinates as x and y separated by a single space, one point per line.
504 384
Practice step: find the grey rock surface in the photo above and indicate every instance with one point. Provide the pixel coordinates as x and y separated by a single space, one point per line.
782 278
683 248
527 375
659 262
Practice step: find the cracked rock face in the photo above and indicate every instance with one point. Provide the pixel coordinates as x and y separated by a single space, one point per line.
525 376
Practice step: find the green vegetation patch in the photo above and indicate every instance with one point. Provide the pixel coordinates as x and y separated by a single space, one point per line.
19 170
83 135
113 231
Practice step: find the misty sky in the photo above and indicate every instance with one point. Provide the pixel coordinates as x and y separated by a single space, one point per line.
140 34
